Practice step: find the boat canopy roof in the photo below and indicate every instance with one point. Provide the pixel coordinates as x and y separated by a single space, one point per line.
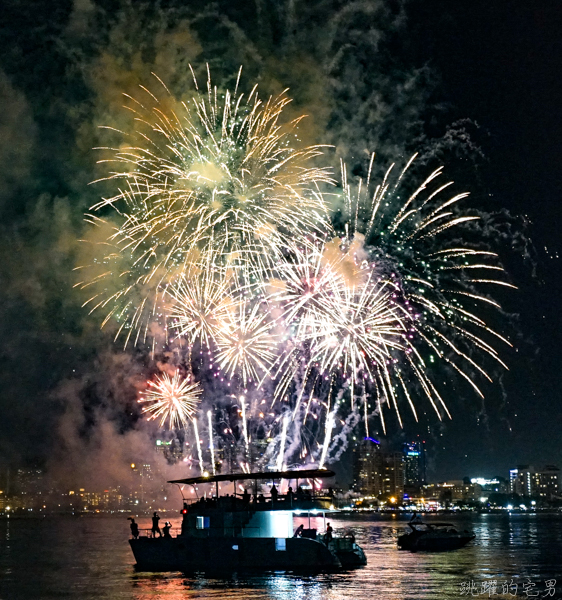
303 474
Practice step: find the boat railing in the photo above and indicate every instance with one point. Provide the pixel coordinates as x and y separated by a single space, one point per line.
281 501
148 533
339 542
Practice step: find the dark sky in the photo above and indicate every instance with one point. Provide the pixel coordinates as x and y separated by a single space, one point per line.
499 64
485 75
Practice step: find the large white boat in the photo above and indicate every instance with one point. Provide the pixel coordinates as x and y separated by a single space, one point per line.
233 532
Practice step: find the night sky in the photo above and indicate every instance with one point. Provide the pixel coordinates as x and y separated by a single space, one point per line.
471 85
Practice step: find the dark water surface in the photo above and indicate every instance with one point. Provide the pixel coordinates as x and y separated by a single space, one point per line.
89 558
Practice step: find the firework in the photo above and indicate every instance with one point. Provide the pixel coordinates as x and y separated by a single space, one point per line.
244 422
216 175
201 303
341 315
173 400
218 231
198 445
281 455
245 342
327 437
211 440
408 241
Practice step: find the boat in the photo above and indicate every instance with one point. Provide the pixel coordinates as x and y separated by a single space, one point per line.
234 532
434 537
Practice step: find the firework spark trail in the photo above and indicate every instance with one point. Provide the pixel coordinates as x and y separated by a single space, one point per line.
212 176
211 440
171 399
405 235
244 422
327 436
281 455
198 443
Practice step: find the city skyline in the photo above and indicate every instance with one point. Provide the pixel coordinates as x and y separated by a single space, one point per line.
393 476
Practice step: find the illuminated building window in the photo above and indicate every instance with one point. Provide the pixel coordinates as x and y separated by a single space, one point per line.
203 523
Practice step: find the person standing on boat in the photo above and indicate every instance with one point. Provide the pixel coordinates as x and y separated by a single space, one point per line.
290 495
298 531
134 528
155 527
246 497
274 493
328 537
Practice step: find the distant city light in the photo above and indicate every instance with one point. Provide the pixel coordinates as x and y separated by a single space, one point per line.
482 481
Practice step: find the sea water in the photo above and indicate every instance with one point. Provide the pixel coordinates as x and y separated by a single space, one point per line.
86 557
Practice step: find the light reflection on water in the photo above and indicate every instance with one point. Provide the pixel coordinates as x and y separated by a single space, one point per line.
89 557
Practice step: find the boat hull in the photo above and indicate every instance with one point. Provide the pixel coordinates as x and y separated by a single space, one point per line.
185 553
433 543
350 554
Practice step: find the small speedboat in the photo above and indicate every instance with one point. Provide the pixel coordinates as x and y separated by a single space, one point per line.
434 537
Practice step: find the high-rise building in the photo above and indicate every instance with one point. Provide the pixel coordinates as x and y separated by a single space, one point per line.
414 465
519 483
537 483
521 480
547 483
171 449
393 475
30 481
367 467
31 487
377 473
256 453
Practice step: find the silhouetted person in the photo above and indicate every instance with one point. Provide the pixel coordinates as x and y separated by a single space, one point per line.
261 498
155 527
298 531
274 493
134 528
166 529
328 537
290 494
246 497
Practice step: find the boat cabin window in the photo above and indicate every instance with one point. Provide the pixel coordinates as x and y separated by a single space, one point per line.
280 544
203 523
